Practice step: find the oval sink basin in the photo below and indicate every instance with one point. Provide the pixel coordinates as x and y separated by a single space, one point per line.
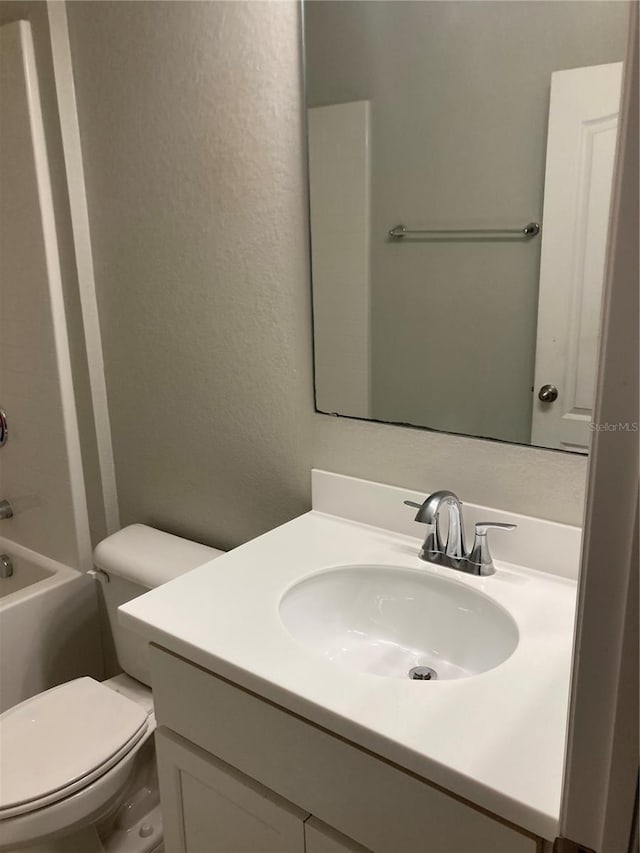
387 621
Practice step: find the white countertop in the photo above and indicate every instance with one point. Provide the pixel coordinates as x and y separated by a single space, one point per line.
496 739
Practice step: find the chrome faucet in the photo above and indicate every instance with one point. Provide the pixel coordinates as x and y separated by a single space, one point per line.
454 554
429 513
6 510
6 566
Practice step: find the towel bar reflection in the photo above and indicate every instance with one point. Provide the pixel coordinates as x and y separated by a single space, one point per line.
530 230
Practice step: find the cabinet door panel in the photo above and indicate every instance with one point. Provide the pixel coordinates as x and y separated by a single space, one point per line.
210 808
320 838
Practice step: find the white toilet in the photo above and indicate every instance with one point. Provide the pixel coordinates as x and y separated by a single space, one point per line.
77 767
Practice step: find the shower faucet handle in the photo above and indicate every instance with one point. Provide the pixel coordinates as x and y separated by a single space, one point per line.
4 428
6 566
6 510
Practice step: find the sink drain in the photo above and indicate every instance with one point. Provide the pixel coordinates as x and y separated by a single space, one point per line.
422 673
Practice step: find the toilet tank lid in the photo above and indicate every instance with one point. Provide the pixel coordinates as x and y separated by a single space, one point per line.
149 557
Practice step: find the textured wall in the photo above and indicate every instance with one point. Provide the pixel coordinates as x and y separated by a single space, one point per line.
191 142
529 480
459 109
190 117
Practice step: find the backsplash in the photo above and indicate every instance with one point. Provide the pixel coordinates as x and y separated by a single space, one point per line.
543 545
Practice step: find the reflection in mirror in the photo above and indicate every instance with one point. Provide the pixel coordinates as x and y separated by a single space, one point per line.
467 123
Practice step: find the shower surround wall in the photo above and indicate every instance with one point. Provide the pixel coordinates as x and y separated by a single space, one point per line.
36 13
40 466
49 630
193 147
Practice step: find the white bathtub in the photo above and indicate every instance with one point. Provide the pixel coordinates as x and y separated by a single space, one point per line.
48 625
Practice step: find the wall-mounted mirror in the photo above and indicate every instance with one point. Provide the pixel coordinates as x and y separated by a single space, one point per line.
460 160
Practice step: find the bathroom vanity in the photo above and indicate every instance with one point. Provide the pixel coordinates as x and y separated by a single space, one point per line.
287 717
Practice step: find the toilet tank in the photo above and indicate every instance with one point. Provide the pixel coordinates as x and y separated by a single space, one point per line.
131 562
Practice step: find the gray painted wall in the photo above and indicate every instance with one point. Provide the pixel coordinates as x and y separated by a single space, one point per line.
191 144
459 97
191 124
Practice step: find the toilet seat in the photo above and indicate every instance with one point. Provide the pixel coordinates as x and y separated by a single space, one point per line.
60 741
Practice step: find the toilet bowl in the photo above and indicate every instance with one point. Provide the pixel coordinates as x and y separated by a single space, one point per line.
78 765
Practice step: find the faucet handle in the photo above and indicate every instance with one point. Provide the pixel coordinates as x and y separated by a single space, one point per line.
432 544
480 554
413 504
423 511
483 526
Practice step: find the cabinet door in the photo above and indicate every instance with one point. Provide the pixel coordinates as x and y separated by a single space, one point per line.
320 838
210 808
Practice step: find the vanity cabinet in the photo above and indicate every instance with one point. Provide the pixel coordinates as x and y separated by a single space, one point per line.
239 774
207 806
